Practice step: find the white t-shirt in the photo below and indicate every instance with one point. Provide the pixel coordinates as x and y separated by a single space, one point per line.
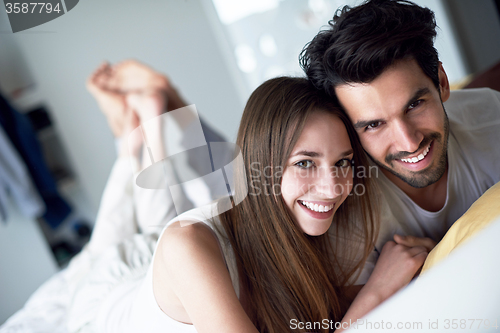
473 167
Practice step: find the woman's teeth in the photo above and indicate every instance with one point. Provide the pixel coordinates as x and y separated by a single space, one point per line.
316 207
418 158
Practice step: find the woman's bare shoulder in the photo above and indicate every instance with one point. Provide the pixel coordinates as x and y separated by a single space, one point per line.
187 238
196 271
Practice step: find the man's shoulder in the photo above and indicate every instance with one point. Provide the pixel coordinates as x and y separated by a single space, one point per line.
474 121
474 109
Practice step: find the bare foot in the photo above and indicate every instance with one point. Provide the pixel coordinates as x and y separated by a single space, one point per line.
147 104
111 103
133 76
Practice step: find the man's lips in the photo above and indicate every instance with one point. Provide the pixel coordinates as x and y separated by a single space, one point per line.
418 161
417 158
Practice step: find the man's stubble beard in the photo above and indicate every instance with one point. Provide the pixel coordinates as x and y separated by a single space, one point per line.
422 178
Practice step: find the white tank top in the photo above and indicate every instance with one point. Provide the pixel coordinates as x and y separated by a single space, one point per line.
132 307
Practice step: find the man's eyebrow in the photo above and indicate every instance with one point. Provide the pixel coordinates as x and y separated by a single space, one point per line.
419 93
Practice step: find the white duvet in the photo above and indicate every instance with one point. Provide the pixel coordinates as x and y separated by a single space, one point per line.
45 311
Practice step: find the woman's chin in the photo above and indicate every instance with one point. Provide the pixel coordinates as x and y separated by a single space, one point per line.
312 225
318 229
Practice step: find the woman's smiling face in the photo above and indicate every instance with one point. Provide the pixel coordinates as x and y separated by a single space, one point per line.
318 175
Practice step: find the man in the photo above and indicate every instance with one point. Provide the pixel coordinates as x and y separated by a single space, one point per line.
435 159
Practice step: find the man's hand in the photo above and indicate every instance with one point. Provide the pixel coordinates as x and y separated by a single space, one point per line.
412 241
394 269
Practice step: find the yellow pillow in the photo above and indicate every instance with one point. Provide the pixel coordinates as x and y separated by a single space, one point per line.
485 210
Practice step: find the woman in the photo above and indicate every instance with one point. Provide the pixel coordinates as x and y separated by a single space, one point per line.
268 264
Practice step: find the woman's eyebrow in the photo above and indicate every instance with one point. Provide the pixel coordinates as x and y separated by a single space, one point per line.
316 154
308 153
347 152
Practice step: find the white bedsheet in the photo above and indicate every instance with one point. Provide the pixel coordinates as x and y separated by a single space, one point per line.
45 311
460 294
462 288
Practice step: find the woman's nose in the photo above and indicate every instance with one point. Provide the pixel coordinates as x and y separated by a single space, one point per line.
330 182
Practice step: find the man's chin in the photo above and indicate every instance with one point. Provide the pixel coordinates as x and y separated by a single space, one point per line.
418 179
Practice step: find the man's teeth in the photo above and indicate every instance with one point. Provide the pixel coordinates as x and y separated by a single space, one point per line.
316 207
418 158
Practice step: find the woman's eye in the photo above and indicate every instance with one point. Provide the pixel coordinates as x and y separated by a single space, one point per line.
344 163
304 164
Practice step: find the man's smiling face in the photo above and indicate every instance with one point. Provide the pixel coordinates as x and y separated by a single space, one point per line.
401 122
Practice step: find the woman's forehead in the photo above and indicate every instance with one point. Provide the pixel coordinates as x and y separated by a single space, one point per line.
323 133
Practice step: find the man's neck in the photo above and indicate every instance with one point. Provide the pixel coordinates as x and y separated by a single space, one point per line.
431 198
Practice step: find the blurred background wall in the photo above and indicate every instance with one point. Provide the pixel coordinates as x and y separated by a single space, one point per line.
216 52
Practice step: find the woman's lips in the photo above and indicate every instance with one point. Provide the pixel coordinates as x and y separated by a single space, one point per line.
317 210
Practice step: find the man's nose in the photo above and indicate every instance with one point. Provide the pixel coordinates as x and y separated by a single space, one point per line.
406 136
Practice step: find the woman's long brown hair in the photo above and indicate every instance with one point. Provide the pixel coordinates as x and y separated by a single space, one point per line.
284 273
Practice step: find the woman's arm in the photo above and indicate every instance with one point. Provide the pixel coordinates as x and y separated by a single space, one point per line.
395 268
196 274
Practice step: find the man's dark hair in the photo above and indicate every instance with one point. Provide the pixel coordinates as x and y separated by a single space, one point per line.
361 42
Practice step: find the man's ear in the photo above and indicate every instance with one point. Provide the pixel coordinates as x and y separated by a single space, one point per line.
444 84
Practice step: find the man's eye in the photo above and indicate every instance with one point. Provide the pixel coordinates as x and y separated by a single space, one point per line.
344 163
414 104
374 125
304 164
